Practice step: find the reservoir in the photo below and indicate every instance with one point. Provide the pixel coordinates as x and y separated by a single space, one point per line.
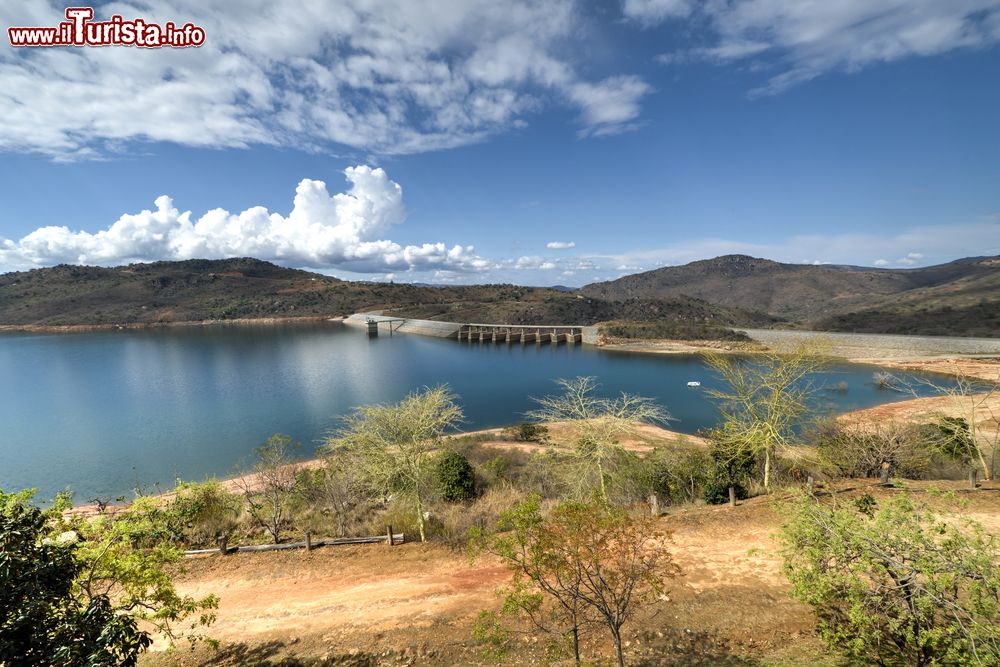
104 413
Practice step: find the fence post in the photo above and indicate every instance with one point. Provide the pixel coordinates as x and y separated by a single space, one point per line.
309 541
973 477
389 535
223 544
654 505
885 473
732 496
811 484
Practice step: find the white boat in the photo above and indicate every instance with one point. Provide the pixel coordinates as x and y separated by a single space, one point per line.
694 383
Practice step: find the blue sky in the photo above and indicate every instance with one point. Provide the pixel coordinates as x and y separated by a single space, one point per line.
458 139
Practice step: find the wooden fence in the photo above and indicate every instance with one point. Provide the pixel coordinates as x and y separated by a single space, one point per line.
309 544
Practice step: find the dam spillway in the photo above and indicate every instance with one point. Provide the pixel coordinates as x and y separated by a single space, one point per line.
520 333
511 334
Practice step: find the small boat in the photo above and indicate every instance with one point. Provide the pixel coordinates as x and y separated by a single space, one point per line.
694 383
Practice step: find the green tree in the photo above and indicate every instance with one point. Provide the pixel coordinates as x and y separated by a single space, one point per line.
75 594
456 479
583 564
896 584
128 557
598 425
393 445
765 399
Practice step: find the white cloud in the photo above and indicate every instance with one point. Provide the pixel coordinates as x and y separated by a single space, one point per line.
560 245
910 259
321 231
390 77
650 12
533 262
933 243
808 39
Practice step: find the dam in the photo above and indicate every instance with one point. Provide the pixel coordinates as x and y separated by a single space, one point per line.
511 334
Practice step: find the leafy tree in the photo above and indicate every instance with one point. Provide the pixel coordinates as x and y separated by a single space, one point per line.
598 425
128 558
456 480
269 486
765 399
677 474
77 597
896 584
392 446
585 563
731 466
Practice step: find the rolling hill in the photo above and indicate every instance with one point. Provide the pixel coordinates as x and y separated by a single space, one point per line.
957 298
233 289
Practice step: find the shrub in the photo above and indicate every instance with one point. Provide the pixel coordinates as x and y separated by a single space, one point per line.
731 467
677 474
498 469
456 480
859 450
528 432
895 584
206 512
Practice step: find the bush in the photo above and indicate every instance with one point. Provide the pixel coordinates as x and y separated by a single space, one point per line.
528 432
677 474
456 480
859 450
731 467
206 512
895 584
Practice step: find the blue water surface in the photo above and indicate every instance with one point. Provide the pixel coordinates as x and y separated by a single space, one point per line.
103 413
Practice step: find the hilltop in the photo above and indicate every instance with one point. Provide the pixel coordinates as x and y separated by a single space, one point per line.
957 298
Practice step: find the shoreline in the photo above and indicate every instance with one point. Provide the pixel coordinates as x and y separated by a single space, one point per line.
899 351
141 326
234 483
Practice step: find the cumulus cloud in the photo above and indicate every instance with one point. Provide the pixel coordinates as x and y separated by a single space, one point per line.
807 39
533 262
560 245
390 77
342 231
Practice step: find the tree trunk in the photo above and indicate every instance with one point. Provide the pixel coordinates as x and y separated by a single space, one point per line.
420 519
767 470
617 634
576 645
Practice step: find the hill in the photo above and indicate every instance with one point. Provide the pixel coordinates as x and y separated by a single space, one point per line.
232 289
957 298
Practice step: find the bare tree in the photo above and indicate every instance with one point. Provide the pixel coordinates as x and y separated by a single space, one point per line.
598 423
765 399
393 445
269 486
592 564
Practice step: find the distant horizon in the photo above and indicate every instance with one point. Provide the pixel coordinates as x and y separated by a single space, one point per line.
379 280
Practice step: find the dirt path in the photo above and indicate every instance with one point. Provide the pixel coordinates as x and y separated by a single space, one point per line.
415 604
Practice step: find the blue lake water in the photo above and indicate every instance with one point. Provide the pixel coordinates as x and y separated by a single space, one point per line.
102 412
